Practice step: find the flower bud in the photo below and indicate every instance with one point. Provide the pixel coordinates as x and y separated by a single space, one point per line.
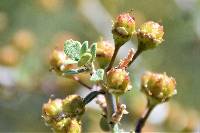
60 126
51 109
67 125
150 35
57 61
74 126
123 28
73 105
104 53
118 81
158 87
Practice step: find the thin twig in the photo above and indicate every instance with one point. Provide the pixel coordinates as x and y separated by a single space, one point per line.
81 82
113 59
110 108
138 52
141 122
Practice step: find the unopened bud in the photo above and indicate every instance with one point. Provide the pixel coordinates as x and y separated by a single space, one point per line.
158 87
123 28
51 109
73 105
118 81
104 53
74 126
150 35
57 61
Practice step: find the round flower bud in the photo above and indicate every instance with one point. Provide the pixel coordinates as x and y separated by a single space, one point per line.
57 61
123 28
150 35
118 81
60 126
158 87
73 105
67 125
104 53
74 126
51 109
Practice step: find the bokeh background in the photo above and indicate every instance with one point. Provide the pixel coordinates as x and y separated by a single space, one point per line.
30 29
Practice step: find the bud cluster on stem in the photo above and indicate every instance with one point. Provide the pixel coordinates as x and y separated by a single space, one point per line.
97 60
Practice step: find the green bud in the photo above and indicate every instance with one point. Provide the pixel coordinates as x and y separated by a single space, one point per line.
73 105
118 81
60 126
158 87
51 109
123 28
104 124
150 35
74 126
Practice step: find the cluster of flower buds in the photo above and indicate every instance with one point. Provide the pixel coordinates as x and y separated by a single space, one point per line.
149 35
57 61
63 114
158 87
118 81
104 53
123 28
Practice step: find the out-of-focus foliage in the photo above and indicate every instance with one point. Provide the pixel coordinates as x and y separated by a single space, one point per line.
31 29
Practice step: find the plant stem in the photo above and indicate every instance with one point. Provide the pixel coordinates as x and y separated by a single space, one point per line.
81 82
110 108
141 122
138 52
113 58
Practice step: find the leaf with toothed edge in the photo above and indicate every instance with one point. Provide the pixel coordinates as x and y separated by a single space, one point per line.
97 75
72 49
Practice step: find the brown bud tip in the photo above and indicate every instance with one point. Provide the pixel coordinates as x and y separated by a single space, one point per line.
123 28
118 81
158 87
150 35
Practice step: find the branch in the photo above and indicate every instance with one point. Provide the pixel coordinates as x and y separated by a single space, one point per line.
91 96
81 82
113 59
141 122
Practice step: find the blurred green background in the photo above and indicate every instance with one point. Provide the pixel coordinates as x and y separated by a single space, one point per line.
30 29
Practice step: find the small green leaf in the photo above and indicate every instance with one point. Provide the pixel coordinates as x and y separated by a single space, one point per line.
93 50
97 75
85 58
84 48
72 49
